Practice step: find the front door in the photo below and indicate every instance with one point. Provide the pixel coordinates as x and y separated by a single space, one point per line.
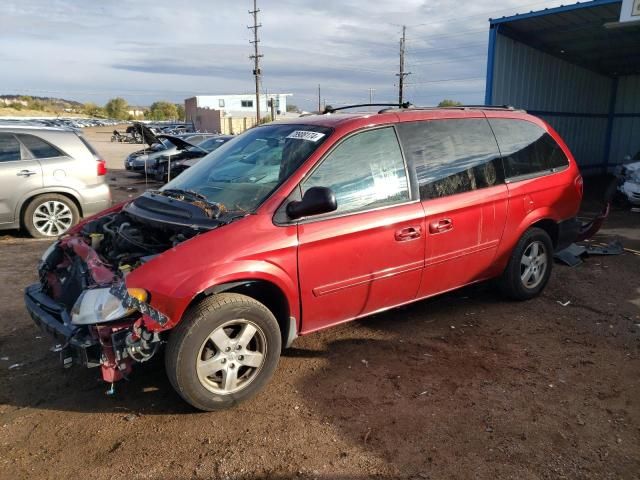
369 254
19 175
461 182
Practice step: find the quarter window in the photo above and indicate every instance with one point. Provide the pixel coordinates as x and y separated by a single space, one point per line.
38 147
451 156
526 148
365 171
9 148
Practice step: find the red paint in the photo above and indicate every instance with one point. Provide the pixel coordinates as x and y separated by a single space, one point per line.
342 268
101 274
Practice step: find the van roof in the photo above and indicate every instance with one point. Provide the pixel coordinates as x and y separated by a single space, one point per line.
388 115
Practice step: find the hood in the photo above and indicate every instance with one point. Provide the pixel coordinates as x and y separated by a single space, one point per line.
145 132
179 142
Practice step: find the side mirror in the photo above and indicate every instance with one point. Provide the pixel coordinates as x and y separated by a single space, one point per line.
315 201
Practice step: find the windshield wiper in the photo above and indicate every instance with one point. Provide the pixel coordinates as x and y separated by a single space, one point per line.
180 192
212 209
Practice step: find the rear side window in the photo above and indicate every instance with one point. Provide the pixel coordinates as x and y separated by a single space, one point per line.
526 148
9 148
89 146
365 171
452 156
38 147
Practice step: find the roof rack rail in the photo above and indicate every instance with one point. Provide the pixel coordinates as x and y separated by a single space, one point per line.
404 105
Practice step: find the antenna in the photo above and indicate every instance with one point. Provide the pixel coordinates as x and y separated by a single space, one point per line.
256 56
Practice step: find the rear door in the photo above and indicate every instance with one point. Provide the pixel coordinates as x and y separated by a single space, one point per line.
369 254
20 174
530 153
463 193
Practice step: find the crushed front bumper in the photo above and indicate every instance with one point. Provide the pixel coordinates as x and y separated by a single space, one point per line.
74 343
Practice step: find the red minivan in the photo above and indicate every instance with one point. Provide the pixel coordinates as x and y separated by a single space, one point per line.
298 225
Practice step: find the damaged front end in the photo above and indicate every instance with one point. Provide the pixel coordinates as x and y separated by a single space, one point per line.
82 298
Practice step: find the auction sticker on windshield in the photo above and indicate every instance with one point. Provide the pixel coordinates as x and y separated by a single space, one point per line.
306 135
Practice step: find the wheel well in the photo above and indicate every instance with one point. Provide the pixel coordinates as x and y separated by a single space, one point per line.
26 203
264 292
549 226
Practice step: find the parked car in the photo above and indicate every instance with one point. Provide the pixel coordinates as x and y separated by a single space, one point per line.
49 178
629 180
298 225
167 166
160 145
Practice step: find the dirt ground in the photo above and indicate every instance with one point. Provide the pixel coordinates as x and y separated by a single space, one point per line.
466 385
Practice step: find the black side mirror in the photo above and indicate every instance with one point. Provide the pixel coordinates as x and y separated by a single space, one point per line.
315 201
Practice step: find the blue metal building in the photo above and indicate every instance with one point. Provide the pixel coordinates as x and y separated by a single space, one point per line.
577 67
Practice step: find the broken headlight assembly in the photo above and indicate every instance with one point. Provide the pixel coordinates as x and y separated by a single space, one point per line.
101 305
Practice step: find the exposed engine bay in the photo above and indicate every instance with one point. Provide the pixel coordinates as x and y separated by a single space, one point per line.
82 297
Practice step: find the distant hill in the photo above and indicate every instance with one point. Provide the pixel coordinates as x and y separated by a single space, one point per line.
52 101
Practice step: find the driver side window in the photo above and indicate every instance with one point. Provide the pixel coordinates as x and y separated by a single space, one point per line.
365 171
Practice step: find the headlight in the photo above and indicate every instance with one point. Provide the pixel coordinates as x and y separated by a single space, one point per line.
96 306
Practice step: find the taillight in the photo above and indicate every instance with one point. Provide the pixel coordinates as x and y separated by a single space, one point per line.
102 168
579 182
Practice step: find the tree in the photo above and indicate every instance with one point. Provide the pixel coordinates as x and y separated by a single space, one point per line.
117 108
180 109
93 110
449 103
292 108
162 111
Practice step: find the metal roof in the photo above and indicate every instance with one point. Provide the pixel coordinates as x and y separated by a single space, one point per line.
586 34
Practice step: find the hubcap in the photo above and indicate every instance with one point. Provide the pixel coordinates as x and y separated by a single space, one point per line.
52 218
231 356
533 264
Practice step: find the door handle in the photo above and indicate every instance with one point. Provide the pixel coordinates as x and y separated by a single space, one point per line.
408 233
25 173
440 226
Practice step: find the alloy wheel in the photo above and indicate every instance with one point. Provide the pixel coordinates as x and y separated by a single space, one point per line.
231 356
52 218
533 264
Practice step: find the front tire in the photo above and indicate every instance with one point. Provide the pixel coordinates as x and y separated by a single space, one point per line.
529 267
50 215
223 352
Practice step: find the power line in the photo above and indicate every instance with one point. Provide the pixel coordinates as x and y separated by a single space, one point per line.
256 56
463 79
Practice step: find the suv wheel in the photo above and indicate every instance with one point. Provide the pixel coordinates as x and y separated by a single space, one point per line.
529 267
50 215
223 352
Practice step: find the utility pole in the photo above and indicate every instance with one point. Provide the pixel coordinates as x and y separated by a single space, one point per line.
256 56
319 106
371 90
402 73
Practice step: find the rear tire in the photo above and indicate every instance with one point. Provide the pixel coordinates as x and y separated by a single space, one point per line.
50 215
529 267
223 352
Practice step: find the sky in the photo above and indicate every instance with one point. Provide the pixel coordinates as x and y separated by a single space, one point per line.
150 50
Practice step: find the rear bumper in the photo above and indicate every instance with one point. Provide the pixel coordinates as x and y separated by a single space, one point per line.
567 233
95 199
75 346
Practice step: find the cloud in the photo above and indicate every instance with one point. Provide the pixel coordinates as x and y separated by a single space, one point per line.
148 50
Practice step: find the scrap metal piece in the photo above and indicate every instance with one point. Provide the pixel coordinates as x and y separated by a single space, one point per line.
571 255
612 248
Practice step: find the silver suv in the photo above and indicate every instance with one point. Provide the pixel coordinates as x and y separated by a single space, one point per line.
49 178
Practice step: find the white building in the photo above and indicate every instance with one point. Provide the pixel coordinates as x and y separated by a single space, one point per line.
241 105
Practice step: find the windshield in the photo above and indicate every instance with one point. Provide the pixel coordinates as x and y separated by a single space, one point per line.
244 171
209 145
